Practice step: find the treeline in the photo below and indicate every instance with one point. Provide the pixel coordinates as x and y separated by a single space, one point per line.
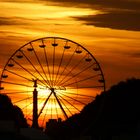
112 113
10 112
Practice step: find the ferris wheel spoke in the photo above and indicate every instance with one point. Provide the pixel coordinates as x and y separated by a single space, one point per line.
28 71
18 92
43 98
53 109
29 116
46 59
44 104
34 67
61 60
55 103
26 106
40 65
45 114
65 106
69 103
12 83
70 71
82 80
72 98
18 75
59 67
77 74
53 65
62 82
66 116
22 99
77 94
66 66
87 87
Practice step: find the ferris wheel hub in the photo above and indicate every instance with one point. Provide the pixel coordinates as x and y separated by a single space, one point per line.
52 89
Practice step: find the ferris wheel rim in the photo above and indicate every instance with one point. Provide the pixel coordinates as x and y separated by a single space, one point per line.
55 37
61 38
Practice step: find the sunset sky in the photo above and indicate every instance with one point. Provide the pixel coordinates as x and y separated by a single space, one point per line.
109 29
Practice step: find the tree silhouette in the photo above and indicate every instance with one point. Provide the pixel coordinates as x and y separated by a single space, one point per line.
112 113
10 112
6 108
20 120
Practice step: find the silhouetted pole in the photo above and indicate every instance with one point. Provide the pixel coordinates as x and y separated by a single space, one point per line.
35 106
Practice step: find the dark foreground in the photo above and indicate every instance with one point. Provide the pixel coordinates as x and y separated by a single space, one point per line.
113 115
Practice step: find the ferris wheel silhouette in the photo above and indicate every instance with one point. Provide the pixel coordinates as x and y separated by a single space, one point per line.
51 78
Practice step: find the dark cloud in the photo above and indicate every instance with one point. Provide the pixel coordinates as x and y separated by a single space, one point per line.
6 21
118 14
132 53
119 4
24 21
11 21
136 54
115 20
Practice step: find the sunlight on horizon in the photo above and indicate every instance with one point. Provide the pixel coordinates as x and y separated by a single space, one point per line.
52 109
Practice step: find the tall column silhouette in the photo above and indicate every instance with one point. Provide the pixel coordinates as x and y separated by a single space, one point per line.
35 106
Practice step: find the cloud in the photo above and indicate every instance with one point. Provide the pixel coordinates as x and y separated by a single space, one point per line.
12 21
117 14
6 21
119 4
23 1
116 20
132 54
19 20
136 54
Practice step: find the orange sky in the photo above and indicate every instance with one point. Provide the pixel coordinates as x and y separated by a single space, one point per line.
109 30
116 50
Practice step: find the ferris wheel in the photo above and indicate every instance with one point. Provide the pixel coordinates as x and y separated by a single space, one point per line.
65 75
